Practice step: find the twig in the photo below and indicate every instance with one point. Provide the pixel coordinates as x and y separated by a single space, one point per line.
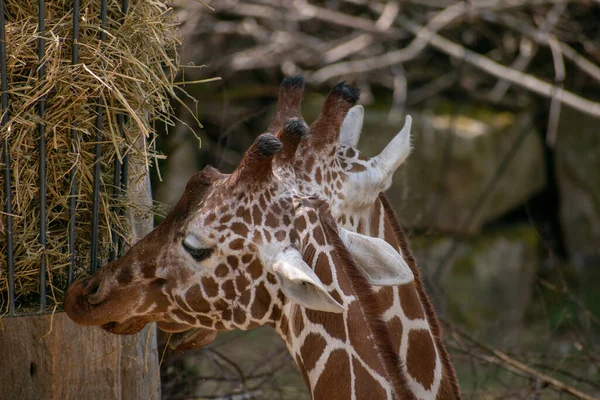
559 78
591 69
398 96
500 71
431 88
426 35
339 18
505 358
394 57
527 51
526 56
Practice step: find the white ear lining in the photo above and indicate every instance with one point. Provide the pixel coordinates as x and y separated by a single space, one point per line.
299 282
381 264
396 152
352 126
366 185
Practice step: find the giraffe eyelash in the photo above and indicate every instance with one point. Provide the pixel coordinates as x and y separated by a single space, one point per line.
197 254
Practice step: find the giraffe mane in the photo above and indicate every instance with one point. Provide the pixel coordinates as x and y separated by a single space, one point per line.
368 303
434 323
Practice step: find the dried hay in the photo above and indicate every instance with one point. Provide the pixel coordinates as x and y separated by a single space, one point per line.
133 72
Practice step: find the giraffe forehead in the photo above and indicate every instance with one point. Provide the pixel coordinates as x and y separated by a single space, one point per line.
245 226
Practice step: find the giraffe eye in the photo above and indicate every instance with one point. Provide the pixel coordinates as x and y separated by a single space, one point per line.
198 253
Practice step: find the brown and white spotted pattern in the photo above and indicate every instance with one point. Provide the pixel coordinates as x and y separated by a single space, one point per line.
353 184
245 250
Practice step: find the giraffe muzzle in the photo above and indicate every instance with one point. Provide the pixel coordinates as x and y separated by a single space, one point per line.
89 302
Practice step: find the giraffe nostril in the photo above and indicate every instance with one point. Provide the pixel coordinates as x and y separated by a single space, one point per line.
95 295
94 290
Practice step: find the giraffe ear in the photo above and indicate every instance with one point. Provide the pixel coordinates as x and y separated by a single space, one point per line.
299 282
365 186
352 126
396 152
377 259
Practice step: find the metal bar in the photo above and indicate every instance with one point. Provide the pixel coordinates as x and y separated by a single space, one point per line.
114 247
124 183
42 133
74 140
121 119
96 201
10 261
97 171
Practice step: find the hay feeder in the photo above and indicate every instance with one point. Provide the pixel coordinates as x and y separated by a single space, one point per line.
80 82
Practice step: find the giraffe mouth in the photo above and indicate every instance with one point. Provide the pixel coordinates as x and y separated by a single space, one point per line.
110 313
184 337
130 327
192 339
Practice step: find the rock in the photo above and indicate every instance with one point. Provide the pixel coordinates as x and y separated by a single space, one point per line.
481 139
577 160
431 194
489 280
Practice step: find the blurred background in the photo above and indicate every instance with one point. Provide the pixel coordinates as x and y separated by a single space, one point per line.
500 196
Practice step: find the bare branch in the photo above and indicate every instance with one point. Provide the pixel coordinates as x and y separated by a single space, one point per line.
525 57
500 71
515 364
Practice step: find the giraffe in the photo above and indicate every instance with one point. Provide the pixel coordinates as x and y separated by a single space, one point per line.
243 250
328 163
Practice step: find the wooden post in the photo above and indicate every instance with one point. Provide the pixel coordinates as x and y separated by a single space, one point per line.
51 357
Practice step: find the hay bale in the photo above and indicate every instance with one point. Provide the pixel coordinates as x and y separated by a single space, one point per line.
132 71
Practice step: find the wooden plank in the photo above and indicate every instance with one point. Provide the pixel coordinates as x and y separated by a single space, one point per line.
50 357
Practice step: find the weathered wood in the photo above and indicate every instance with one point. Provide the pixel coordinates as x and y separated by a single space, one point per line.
50 357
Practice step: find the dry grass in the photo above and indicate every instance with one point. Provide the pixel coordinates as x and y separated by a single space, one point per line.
132 71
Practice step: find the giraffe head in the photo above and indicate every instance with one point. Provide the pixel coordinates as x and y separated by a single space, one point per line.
331 164
229 255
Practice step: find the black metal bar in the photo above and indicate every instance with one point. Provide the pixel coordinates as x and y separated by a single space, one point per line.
114 247
74 140
97 165
96 201
42 132
124 169
124 183
10 261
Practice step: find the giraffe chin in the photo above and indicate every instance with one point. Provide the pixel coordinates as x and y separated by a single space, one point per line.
173 327
129 327
183 337
192 339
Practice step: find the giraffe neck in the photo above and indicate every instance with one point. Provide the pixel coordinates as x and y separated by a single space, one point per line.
408 312
348 355
406 309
